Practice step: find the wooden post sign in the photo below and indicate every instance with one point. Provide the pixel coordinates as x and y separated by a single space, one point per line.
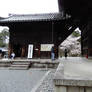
30 51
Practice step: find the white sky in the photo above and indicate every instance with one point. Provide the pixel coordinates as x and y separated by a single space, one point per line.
27 6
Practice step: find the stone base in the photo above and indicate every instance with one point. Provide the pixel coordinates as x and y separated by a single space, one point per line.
73 75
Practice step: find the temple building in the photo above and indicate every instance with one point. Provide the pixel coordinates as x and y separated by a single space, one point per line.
45 30
40 30
81 13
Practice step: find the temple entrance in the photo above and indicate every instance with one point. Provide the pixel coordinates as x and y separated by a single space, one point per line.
17 50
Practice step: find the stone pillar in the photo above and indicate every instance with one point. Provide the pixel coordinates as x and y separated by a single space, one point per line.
89 89
73 89
60 89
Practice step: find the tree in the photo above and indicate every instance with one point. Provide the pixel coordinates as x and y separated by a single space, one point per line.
3 36
76 34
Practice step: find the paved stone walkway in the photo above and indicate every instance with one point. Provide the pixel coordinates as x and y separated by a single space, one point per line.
19 80
33 80
77 67
73 67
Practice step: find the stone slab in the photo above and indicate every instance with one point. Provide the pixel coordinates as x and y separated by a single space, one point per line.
19 80
74 72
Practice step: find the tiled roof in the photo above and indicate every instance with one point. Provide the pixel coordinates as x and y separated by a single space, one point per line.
33 17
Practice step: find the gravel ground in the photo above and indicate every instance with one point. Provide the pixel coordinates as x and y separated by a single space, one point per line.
46 84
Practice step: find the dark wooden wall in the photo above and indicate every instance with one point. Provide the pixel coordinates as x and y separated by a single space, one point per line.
36 33
43 32
86 39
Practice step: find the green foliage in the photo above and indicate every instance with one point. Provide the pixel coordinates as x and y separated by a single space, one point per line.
76 34
3 35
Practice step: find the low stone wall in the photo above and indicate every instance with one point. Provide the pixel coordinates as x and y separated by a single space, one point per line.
29 63
70 84
43 64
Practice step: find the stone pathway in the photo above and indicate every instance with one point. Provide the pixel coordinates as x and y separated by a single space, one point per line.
77 67
46 85
41 80
19 80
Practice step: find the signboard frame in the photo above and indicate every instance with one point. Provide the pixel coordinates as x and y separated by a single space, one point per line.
30 51
46 47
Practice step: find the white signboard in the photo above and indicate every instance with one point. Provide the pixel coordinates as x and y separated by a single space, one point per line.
30 51
46 47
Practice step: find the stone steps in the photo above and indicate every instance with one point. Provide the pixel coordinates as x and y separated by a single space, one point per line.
26 64
5 64
18 68
19 65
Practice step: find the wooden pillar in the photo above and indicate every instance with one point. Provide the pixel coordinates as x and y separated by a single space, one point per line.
90 38
56 51
82 42
36 52
10 49
23 51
